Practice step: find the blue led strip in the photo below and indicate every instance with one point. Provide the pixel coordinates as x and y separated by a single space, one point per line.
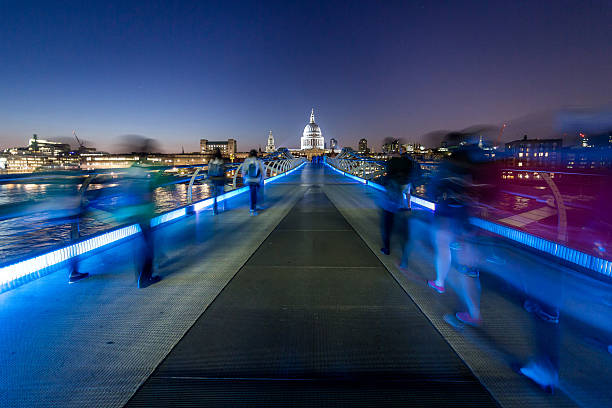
574 256
23 271
20 272
413 199
169 216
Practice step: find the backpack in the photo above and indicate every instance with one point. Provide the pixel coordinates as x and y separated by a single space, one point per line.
253 171
215 170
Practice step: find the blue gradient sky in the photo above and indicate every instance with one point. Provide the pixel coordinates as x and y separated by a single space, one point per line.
181 71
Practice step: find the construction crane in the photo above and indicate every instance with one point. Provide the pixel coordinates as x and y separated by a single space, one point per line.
81 145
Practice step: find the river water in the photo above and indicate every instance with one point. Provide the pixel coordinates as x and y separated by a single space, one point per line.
23 235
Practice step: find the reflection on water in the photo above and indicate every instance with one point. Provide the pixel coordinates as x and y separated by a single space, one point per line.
23 235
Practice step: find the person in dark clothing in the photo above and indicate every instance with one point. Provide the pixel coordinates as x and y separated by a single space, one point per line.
139 186
216 175
401 172
80 206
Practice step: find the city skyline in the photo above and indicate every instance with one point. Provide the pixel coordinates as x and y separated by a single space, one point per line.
183 72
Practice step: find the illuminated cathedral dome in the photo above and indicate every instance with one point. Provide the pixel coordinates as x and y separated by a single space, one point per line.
312 137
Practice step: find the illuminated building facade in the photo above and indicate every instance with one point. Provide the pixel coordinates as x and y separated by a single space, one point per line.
363 146
228 148
270 145
534 153
312 137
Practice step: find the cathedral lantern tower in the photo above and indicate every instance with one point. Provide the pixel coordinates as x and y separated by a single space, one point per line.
270 146
312 137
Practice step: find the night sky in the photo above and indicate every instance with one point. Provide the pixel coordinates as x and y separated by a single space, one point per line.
181 71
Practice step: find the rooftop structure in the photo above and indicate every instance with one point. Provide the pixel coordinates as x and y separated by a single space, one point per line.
270 145
312 137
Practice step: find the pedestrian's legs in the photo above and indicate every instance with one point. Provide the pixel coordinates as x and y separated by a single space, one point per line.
469 286
253 194
469 279
74 236
547 336
74 275
386 230
260 195
217 191
544 367
146 270
407 246
442 241
221 188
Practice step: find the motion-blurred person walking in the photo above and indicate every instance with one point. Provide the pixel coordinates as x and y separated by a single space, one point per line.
79 204
253 173
397 183
138 207
453 185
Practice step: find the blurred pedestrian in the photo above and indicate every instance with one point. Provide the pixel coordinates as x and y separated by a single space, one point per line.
253 173
137 205
396 181
79 204
543 367
139 186
452 188
216 175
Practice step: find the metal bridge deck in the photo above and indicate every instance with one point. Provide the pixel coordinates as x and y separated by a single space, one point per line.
312 319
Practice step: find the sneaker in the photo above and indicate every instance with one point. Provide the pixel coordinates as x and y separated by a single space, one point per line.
148 282
545 377
253 213
439 289
77 276
467 319
385 251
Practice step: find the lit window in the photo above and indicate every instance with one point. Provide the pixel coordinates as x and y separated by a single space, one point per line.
520 164
520 154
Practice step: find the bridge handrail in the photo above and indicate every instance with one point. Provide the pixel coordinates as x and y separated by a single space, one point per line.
590 262
25 268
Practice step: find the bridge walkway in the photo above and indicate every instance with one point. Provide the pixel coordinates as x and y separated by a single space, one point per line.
94 342
507 337
313 319
294 304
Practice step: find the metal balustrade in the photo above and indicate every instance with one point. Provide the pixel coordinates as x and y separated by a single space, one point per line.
573 256
274 163
22 270
353 163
